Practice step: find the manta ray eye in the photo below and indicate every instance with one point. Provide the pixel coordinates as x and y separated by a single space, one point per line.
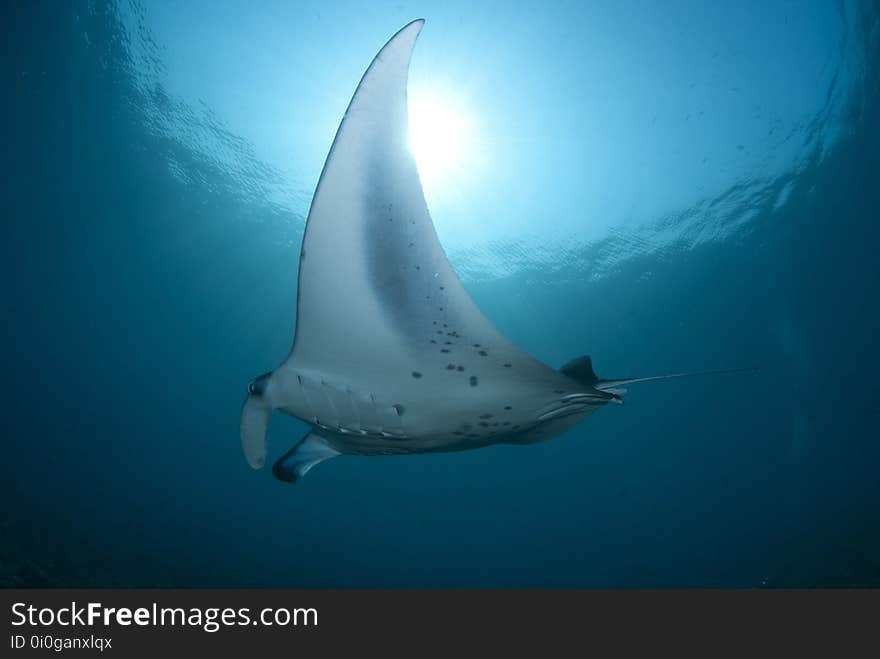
258 386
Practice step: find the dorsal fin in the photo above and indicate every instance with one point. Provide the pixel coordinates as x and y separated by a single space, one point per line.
581 369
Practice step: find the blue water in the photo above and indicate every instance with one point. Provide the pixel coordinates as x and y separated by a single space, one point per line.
662 186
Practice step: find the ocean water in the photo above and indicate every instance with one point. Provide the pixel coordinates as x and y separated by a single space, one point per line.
662 186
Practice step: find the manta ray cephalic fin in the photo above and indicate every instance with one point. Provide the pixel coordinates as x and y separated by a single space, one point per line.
299 460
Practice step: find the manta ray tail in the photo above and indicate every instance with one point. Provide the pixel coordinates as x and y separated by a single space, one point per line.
581 369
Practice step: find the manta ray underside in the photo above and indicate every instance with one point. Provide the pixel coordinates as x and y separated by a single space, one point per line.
391 355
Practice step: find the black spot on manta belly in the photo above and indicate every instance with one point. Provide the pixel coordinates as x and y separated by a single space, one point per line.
486 416
450 367
416 375
508 407
473 380
461 368
483 353
444 349
507 365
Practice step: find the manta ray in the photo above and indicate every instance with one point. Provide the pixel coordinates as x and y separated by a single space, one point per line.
390 354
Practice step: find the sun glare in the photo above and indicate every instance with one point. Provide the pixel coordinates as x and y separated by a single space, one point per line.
440 135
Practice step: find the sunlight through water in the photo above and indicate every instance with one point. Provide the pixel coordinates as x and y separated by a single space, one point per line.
442 138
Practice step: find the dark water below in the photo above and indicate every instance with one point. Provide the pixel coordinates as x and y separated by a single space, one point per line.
145 286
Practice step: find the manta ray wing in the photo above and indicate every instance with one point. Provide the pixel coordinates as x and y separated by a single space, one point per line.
377 298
